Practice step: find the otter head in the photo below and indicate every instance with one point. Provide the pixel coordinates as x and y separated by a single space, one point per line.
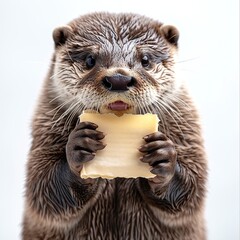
114 63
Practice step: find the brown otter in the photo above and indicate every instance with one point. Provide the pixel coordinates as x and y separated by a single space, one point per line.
114 62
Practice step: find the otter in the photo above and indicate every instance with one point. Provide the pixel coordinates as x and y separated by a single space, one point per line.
108 62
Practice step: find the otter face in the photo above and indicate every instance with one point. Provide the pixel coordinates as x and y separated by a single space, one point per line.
114 63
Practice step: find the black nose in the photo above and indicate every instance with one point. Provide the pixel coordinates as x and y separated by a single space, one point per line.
118 82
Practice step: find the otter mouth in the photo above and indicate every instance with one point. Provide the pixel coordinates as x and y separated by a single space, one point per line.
118 106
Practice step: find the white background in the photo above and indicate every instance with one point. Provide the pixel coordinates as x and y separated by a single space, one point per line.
208 58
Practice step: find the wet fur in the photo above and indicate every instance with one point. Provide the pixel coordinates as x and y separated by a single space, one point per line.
61 205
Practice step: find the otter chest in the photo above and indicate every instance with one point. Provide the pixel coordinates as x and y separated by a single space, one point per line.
120 213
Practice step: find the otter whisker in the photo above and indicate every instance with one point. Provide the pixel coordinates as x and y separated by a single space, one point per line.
65 113
173 97
75 110
149 110
176 102
59 63
174 112
161 117
187 60
168 112
56 98
140 106
69 116
59 72
59 107
183 121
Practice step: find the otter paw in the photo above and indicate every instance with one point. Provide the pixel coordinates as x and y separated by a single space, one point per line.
83 142
159 152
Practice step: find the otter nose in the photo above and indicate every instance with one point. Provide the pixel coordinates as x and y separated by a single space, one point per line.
118 82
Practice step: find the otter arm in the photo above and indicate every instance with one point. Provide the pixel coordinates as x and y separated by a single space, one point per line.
54 194
187 186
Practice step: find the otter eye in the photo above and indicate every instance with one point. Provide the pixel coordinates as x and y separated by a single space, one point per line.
145 61
90 61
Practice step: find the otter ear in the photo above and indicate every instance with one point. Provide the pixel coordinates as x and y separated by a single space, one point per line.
61 34
170 33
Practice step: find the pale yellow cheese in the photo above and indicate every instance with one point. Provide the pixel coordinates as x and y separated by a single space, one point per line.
124 135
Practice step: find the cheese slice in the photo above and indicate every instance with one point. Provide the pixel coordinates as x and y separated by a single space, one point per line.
123 136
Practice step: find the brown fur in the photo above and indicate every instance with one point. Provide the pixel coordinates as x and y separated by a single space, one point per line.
61 205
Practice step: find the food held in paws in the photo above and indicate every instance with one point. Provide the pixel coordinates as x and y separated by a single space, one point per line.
124 135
